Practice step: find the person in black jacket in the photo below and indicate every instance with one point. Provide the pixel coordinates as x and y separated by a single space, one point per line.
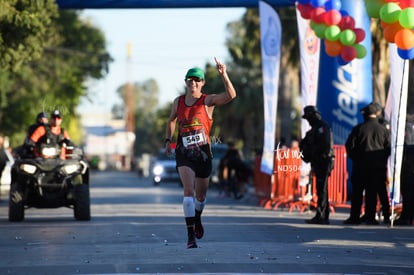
25 151
368 146
407 175
234 171
317 148
41 119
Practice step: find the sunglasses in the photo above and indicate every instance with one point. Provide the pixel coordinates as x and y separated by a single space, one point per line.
193 78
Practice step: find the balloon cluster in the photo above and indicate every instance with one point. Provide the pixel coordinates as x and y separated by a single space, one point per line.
397 22
337 28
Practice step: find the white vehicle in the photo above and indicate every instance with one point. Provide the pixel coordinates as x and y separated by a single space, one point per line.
164 168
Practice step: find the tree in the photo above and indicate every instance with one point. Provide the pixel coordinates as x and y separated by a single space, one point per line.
25 27
380 63
145 96
69 52
243 118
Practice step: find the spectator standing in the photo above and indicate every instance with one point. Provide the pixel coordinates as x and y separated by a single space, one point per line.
317 148
235 171
368 146
407 175
223 167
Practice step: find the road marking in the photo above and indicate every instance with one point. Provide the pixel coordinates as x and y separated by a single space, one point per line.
223 274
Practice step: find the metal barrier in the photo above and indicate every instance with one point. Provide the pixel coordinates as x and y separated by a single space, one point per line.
262 183
282 188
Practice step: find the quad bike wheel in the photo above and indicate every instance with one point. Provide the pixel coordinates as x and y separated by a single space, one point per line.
82 210
16 203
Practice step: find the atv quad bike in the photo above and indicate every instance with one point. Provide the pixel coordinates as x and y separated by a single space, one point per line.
49 181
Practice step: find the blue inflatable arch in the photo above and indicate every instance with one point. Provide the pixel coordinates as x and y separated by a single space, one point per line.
155 4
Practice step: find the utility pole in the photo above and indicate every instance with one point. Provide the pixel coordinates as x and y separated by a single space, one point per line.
130 116
130 94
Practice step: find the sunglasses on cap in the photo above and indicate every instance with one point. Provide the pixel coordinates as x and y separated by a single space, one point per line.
193 78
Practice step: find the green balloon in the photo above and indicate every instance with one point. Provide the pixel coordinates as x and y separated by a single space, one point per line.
407 18
373 8
332 33
361 50
347 37
390 12
319 29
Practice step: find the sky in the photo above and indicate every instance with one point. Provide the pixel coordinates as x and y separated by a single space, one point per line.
165 43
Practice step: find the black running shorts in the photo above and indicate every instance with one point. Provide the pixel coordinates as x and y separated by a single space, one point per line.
201 169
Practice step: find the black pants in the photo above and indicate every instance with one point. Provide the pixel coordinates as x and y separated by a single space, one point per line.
376 186
322 172
373 181
407 184
357 195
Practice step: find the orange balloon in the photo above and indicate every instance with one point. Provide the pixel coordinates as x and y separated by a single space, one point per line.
391 30
404 39
333 48
384 24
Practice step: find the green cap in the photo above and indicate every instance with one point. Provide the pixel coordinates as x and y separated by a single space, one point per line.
195 72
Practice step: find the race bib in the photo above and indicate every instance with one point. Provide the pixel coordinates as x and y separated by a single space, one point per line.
194 139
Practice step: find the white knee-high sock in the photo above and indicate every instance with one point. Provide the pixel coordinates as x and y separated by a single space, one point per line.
199 205
188 206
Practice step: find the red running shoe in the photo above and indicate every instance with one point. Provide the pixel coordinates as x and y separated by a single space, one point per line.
191 243
199 229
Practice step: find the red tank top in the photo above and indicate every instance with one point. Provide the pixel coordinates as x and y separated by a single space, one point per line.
193 123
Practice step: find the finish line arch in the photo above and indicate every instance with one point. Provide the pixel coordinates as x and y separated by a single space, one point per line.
154 4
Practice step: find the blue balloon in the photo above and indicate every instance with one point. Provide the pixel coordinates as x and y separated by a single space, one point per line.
344 13
406 54
333 5
304 2
317 3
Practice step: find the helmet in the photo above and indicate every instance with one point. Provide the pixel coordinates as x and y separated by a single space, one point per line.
41 115
55 114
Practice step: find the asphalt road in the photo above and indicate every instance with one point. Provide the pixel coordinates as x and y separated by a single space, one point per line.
138 228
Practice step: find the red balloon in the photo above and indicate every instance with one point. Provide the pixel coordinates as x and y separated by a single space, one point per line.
317 15
359 34
332 17
347 22
348 53
305 10
406 4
